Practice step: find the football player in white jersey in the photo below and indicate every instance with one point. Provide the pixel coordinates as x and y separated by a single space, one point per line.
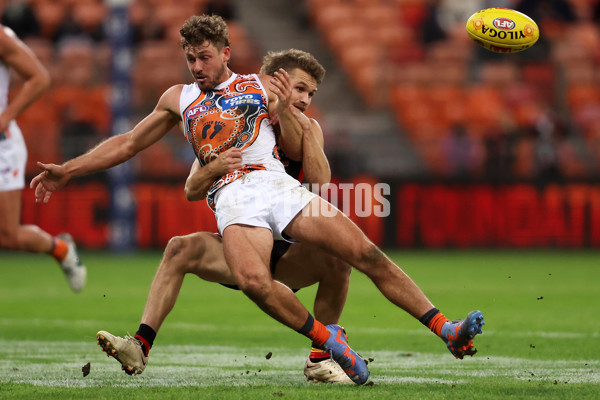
296 265
15 55
259 201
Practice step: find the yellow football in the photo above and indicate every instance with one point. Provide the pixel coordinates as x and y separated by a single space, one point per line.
502 30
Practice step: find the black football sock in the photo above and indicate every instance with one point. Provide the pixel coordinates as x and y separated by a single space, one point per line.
146 335
428 316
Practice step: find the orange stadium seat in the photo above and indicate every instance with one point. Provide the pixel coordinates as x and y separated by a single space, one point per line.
50 15
341 36
75 61
171 16
157 66
484 108
426 139
89 14
369 79
578 95
392 35
406 52
361 64
84 104
498 74
334 14
448 101
40 126
442 94
413 12
403 94
376 13
158 161
448 51
523 166
541 77
315 8
413 73
580 72
245 57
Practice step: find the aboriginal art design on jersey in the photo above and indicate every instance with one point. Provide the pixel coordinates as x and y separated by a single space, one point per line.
221 119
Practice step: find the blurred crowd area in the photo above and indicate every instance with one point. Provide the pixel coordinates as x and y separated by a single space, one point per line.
70 39
468 112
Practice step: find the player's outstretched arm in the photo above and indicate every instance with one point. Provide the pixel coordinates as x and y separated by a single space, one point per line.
200 178
15 54
112 151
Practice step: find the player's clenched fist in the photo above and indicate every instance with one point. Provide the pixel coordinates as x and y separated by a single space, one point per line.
227 161
200 178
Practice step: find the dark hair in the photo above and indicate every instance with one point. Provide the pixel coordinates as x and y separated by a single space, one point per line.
204 28
291 59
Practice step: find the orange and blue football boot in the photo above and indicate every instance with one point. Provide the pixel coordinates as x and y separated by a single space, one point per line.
353 364
459 334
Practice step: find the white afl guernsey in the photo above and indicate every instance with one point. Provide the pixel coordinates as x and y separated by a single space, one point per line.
235 114
13 153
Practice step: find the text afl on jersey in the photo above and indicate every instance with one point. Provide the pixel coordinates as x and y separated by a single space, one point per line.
252 99
195 111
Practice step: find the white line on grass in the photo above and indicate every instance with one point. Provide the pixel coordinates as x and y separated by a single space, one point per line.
60 363
51 322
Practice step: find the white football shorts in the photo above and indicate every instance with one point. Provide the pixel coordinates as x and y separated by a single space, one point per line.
13 156
267 199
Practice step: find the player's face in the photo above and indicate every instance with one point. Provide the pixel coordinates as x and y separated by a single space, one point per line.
207 64
304 88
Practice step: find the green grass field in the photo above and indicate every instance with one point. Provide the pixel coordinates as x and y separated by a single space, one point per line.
541 338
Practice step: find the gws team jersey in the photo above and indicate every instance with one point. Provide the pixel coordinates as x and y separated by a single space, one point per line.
4 85
234 114
13 152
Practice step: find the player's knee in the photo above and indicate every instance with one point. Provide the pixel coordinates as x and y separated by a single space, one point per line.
255 286
8 240
174 247
369 254
338 267
177 253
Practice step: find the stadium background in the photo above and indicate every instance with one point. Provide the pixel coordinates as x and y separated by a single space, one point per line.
480 149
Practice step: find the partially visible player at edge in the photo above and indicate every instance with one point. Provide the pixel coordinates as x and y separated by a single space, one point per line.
223 110
296 265
16 55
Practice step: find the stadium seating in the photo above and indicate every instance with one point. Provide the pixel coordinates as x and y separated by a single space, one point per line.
433 82
447 82
77 54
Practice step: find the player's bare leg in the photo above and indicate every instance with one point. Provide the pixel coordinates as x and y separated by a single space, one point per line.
302 265
13 235
199 253
32 239
338 235
321 224
247 251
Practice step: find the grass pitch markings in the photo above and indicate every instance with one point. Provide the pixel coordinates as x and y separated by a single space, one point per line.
95 324
59 364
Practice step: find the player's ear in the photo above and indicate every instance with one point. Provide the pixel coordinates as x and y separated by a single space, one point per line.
226 53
